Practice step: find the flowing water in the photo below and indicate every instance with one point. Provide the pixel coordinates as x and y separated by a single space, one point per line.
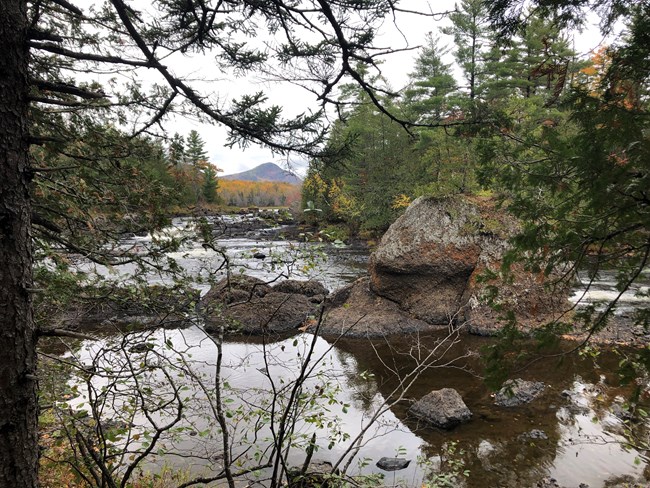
581 442
333 266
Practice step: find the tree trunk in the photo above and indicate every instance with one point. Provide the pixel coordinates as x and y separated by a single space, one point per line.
18 401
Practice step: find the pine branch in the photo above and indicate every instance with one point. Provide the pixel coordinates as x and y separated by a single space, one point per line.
39 35
67 89
55 49
68 6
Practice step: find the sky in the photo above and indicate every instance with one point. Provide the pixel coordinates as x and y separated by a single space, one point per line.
409 30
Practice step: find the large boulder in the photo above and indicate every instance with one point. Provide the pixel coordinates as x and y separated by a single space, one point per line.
273 312
310 288
235 289
443 408
426 258
435 259
355 311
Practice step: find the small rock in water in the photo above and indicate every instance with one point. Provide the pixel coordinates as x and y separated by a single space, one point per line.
518 392
393 464
619 411
533 434
141 347
443 408
547 483
259 255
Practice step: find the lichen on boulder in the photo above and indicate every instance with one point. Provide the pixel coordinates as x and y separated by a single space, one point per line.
437 265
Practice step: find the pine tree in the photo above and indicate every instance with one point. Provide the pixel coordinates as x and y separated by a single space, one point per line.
577 171
46 104
195 149
431 83
471 34
176 152
210 183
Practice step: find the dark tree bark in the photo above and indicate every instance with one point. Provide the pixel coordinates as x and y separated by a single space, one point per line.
18 401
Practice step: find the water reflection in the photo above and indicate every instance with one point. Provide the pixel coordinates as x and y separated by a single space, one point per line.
498 448
352 379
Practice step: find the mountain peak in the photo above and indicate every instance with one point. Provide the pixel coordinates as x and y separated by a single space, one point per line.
265 172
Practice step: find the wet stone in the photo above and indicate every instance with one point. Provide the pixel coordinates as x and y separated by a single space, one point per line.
443 408
534 434
393 464
518 392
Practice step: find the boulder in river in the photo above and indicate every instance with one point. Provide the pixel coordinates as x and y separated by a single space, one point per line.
249 305
426 257
518 392
236 289
443 408
432 265
309 288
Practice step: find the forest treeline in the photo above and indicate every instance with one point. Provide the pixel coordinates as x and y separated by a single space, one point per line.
155 176
241 193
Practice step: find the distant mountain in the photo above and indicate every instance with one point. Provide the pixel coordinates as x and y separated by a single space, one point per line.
265 172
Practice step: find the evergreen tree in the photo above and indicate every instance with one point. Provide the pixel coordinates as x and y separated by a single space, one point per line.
546 58
210 183
431 83
46 104
576 173
176 151
471 34
195 149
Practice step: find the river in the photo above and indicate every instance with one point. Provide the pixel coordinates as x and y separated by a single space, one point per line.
575 436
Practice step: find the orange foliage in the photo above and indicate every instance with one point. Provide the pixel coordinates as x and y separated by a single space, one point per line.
624 93
258 193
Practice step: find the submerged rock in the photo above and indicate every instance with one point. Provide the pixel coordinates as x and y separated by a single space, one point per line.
443 408
518 392
547 483
393 464
534 434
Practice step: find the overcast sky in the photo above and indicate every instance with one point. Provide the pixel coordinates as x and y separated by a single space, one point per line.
410 31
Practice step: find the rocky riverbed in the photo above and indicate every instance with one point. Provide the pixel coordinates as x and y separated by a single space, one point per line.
422 288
